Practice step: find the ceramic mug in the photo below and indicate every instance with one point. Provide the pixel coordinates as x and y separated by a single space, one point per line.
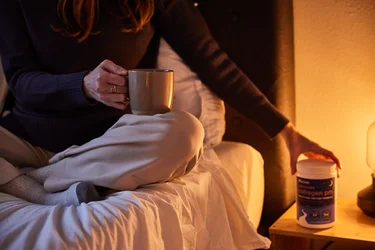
150 91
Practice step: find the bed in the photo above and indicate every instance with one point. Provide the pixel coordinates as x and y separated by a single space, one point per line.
235 189
201 210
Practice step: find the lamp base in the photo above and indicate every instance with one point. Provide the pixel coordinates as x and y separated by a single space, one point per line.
366 199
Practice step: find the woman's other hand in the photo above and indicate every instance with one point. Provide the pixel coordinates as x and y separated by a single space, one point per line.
299 144
107 84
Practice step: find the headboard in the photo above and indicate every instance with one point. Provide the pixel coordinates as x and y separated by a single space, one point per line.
258 37
3 88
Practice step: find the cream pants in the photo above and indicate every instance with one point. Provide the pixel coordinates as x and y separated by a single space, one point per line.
135 151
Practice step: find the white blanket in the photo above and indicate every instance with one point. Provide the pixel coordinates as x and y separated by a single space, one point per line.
201 210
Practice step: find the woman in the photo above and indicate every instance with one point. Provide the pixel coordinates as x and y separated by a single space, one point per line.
65 61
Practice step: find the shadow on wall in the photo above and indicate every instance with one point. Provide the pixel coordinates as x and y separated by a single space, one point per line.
3 87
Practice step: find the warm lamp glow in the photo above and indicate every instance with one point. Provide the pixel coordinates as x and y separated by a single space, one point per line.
366 197
370 154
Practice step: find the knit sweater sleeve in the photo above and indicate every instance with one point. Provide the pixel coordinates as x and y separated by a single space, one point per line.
28 82
182 26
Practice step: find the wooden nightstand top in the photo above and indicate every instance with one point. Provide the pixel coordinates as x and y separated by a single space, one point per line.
351 224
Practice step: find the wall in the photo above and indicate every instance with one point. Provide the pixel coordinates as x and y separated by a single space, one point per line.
335 81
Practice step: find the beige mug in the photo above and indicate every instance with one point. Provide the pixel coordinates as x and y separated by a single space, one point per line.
150 91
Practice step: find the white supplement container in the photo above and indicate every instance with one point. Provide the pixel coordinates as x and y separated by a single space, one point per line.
316 193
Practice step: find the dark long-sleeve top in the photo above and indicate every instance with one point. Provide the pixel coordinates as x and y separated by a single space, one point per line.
45 70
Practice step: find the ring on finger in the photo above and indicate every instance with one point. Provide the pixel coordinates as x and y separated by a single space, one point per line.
113 89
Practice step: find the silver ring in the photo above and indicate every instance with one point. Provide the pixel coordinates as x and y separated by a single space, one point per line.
113 89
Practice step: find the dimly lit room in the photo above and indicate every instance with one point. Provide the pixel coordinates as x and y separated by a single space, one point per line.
187 124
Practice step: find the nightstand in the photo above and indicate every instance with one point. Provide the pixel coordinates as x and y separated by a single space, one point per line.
352 226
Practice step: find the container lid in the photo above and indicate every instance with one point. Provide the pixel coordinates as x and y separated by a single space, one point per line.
316 167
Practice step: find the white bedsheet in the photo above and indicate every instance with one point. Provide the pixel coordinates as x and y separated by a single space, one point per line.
245 167
201 210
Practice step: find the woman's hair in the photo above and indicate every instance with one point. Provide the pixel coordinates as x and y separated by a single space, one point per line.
79 16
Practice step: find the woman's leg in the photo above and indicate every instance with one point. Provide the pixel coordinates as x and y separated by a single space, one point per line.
17 152
137 150
20 154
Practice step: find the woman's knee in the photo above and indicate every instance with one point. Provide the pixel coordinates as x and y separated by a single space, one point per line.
184 139
186 131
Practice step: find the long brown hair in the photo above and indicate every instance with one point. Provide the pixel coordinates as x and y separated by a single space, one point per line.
78 16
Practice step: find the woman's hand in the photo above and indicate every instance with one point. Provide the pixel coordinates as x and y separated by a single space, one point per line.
106 84
298 144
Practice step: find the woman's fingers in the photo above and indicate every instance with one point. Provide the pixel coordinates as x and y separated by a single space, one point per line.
113 68
114 89
114 97
117 105
107 84
324 154
105 80
316 156
298 144
116 80
321 153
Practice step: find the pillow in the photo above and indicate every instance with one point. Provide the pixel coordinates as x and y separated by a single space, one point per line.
192 96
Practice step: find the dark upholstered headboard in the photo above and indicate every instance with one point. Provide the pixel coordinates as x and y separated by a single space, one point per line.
258 36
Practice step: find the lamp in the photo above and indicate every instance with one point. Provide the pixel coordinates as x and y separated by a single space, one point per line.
366 197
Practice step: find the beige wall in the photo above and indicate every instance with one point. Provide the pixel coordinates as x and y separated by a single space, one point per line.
335 80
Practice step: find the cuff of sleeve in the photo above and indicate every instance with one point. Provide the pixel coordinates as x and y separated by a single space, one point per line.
270 120
72 86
